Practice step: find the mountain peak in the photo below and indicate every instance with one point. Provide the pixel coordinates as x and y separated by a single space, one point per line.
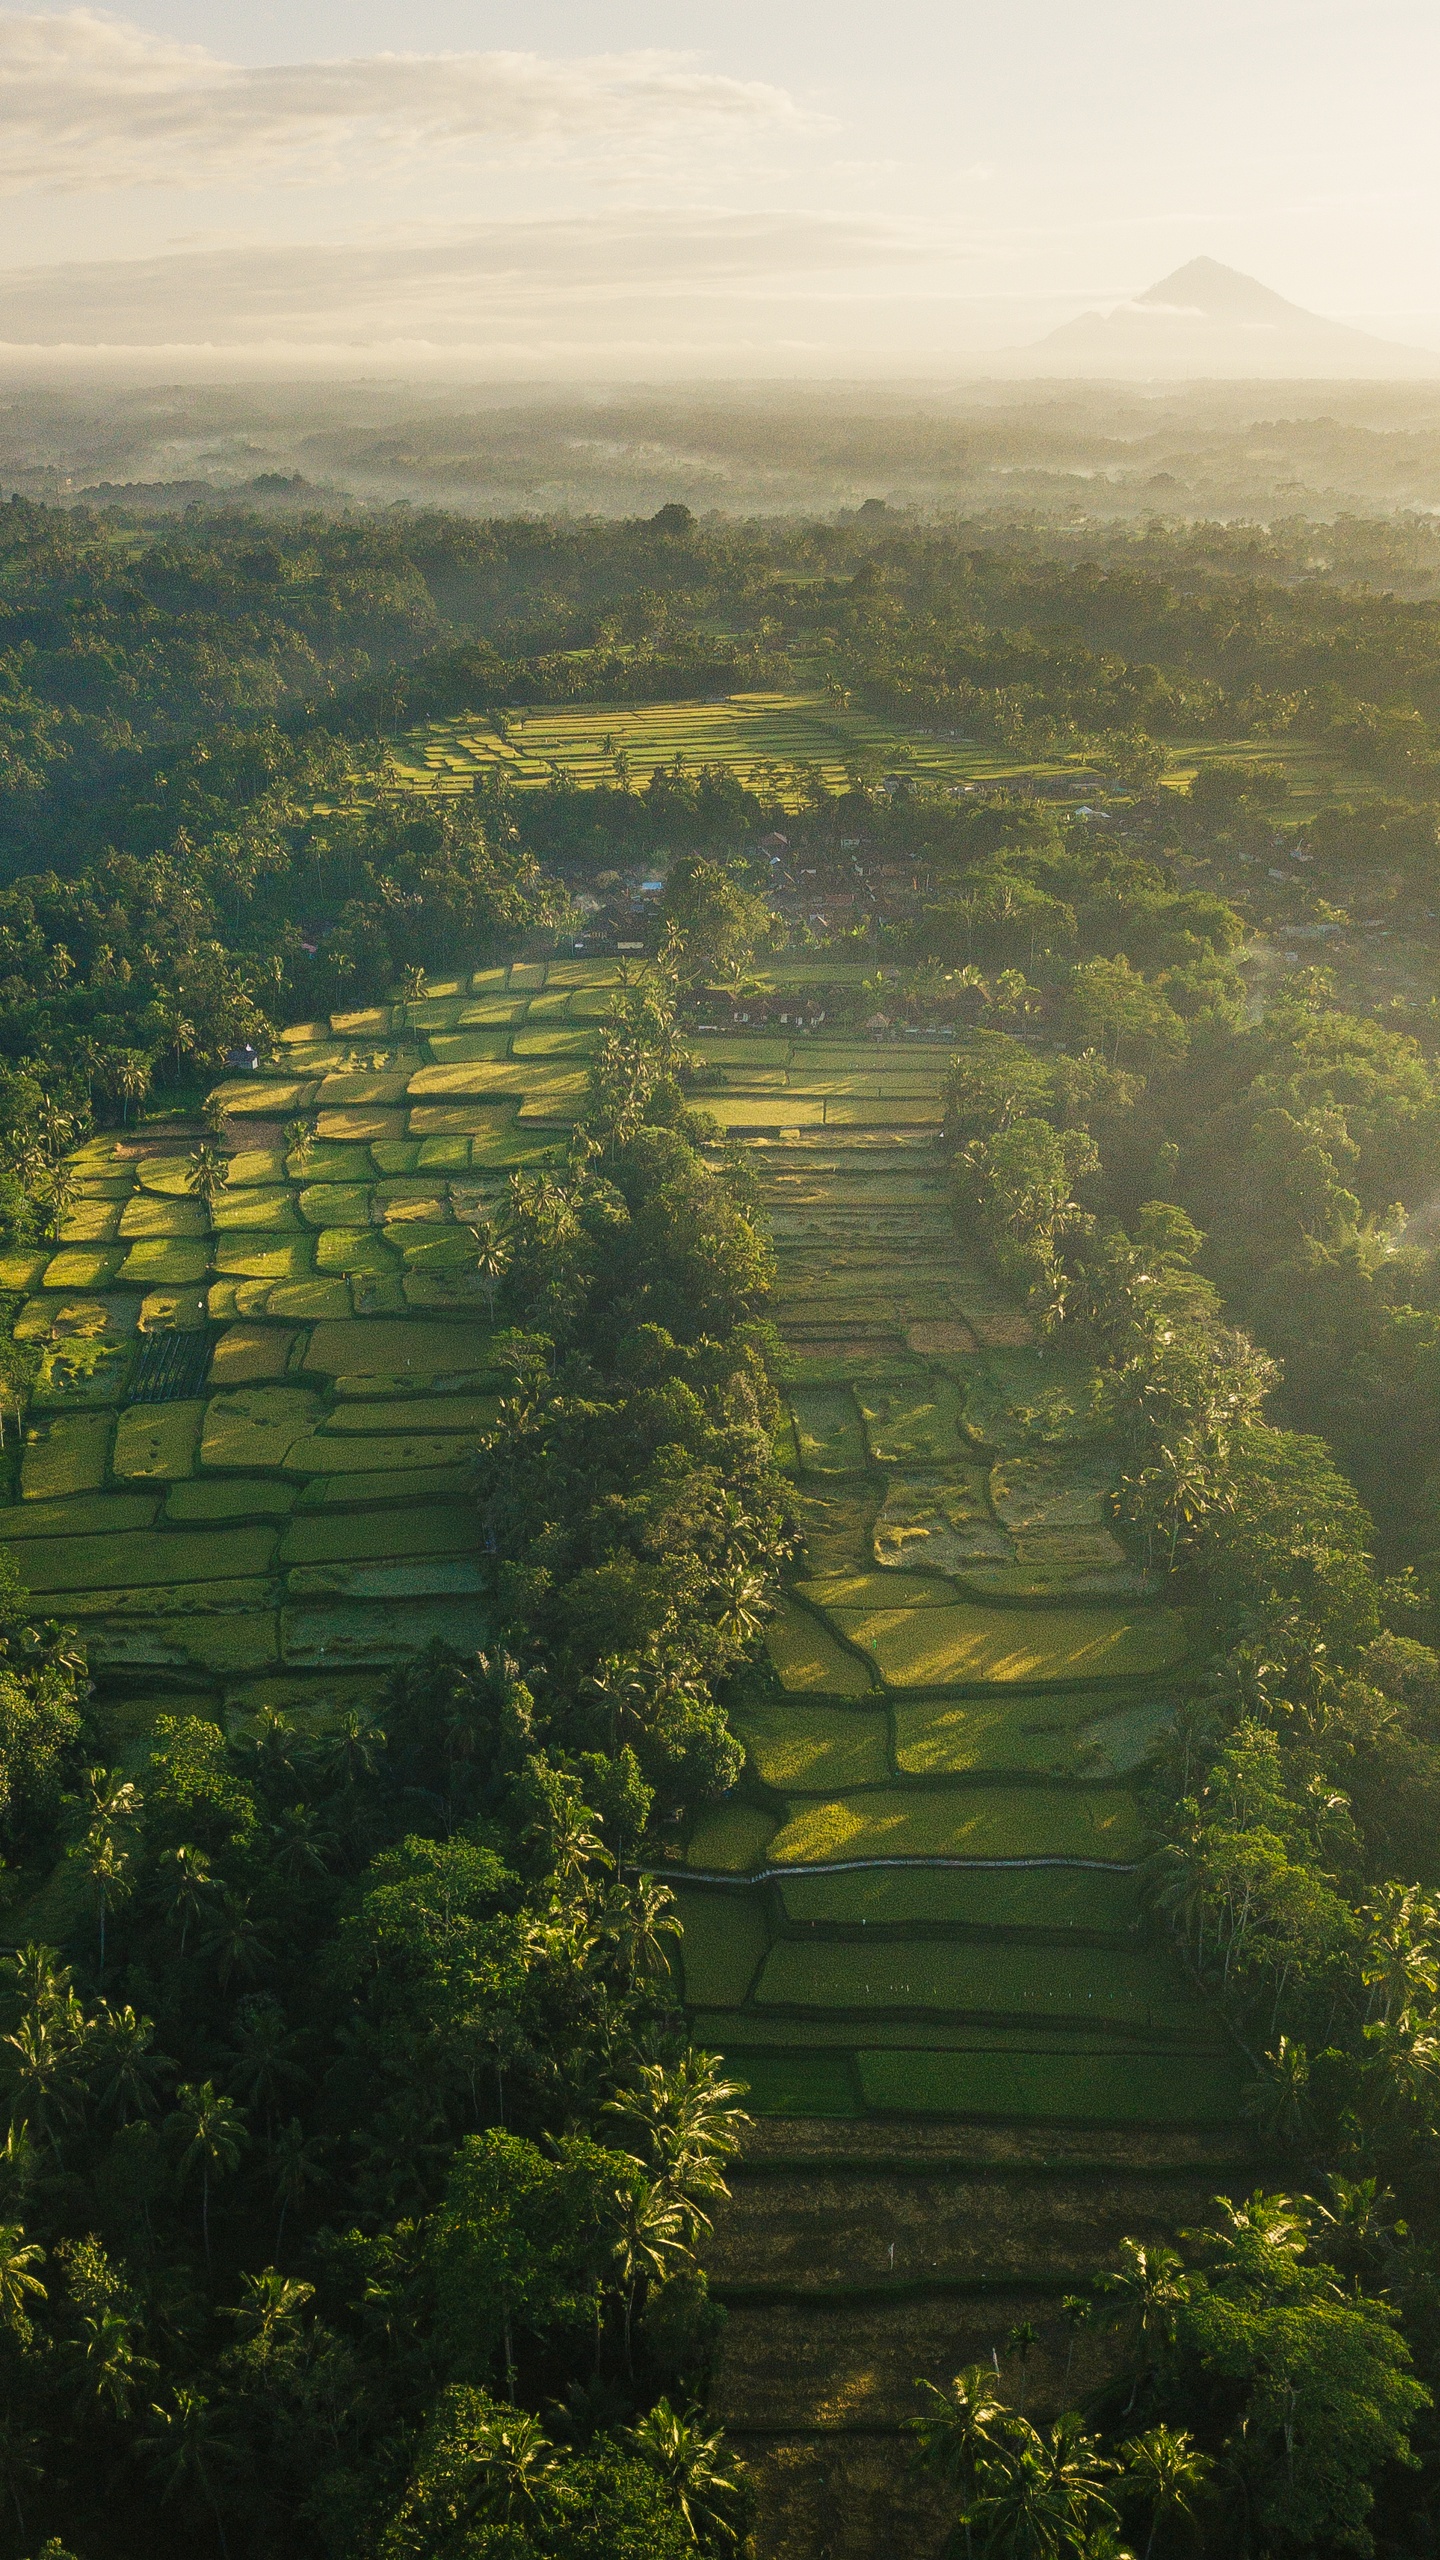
1219 293
1206 319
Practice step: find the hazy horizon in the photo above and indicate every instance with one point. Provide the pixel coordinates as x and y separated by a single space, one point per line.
567 193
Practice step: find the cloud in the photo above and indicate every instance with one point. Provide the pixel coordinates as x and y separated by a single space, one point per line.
91 101
602 294
430 283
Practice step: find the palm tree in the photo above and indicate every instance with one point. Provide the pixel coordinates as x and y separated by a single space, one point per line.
40 2060
745 1606
1358 2224
62 1189
958 2430
351 1749
58 1128
132 1079
211 2133
262 2063
20 2464
19 2284
187 2446
209 1172
699 2475
1041 2495
1399 1965
1279 2103
1076 2312
1163 2467
516 2462
1019 2342
492 1261
1147 2290
102 1848
622 1683
689 2126
299 1143
125 2042
654 2234
414 987
236 1945
643 1920
269 2307
294 2163
192 1888
113 2370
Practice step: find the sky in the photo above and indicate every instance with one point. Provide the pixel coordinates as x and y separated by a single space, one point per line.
561 190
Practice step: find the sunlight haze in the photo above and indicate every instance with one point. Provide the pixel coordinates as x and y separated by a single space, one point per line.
566 191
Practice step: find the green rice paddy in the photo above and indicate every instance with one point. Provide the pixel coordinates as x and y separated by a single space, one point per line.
292 1498
939 1819
774 741
923 1896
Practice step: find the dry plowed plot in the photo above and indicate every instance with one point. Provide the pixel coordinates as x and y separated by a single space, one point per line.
248 1457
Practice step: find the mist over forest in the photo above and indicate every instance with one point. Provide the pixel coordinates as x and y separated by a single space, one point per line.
1063 453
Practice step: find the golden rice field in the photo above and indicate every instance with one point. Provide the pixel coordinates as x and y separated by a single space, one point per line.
773 741
965 1677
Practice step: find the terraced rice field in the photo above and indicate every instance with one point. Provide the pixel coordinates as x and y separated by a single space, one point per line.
245 1470
914 1929
774 741
968 1671
779 743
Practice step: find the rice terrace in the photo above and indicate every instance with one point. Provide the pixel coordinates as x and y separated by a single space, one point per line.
913 1929
719 1534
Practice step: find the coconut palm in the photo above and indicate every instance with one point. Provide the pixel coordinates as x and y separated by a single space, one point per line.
208 1175
516 2463
294 2163
210 2132
654 2236
1041 2495
1399 1966
414 987
700 2476
1019 2342
187 2447
1164 2468
40 2060
261 2062
108 1814
688 2126
62 1190
236 1944
958 2429
20 2284
1076 2312
122 2044
1146 2292
131 1077
1278 2103
492 1261
744 1606
642 1921
193 1888
269 2307
299 1144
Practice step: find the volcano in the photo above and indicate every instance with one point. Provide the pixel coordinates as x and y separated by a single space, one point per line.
1207 320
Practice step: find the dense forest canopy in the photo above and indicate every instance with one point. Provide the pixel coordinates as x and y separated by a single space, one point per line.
358 2167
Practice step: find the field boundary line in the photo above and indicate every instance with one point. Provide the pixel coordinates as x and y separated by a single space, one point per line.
869 1866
